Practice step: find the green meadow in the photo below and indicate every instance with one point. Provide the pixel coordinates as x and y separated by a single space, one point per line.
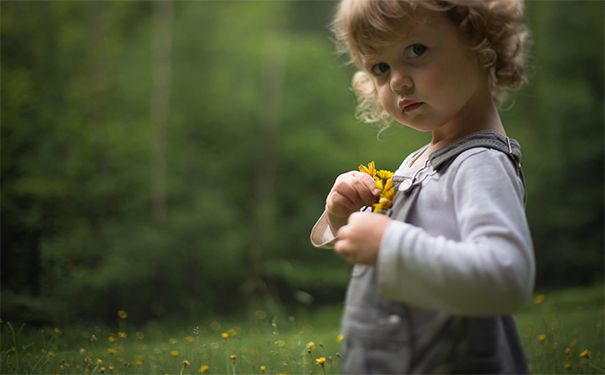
561 331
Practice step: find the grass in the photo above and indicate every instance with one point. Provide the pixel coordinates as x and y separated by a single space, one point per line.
555 328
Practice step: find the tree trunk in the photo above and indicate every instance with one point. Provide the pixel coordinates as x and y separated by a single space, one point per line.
161 45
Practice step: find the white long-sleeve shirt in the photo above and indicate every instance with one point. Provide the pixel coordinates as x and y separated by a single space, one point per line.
467 248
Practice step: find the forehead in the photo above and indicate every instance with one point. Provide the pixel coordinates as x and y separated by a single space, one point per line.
423 24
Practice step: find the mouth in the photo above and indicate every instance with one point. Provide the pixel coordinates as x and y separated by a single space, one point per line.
408 106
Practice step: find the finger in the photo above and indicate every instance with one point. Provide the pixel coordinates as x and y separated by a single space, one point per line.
339 206
346 187
364 185
368 181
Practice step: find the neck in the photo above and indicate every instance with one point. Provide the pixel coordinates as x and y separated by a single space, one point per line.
479 114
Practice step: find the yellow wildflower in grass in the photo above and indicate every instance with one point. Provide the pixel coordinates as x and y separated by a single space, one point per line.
371 170
586 353
310 346
320 361
263 368
174 353
112 338
122 335
224 335
203 369
172 341
122 314
82 351
568 366
111 351
57 330
99 362
185 363
567 351
51 354
110 368
233 357
339 338
102 370
541 337
539 298
189 339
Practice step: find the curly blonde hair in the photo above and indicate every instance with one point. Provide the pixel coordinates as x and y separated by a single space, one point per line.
493 29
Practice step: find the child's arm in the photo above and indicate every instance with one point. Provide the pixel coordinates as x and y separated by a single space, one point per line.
489 270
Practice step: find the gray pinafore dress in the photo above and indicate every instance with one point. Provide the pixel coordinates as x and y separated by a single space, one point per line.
377 333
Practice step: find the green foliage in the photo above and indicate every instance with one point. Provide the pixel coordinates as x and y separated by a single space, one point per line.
261 122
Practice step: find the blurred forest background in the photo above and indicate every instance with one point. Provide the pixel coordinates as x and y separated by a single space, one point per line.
170 159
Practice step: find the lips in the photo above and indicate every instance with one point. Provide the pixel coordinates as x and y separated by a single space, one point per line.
408 106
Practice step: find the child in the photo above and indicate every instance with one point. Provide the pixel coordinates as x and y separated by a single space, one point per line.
437 277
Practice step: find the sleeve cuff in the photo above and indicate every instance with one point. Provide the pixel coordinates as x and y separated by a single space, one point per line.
321 234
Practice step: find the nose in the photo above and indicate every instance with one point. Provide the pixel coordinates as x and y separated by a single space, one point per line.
400 80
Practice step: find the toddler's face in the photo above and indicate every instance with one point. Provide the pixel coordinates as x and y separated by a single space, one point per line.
427 78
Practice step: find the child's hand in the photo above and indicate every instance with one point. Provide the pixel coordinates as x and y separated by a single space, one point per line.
351 191
360 238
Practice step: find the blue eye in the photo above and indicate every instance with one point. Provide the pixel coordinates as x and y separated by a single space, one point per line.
380 68
415 50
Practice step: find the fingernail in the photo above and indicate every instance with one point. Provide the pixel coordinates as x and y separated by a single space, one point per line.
376 191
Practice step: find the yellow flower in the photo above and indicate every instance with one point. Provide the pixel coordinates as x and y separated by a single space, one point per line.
102 370
539 298
586 353
110 368
203 369
57 330
567 351
172 341
122 314
541 337
189 339
384 175
111 351
174 353
112 338
82 351
263 368
51 354
224 335
122 335
99 362
233 357
320 361
339 338
185 363
568 365
310 346
371 170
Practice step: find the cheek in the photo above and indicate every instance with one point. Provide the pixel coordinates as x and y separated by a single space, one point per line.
386 99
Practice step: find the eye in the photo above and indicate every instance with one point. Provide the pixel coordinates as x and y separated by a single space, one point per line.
415 50
380 68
